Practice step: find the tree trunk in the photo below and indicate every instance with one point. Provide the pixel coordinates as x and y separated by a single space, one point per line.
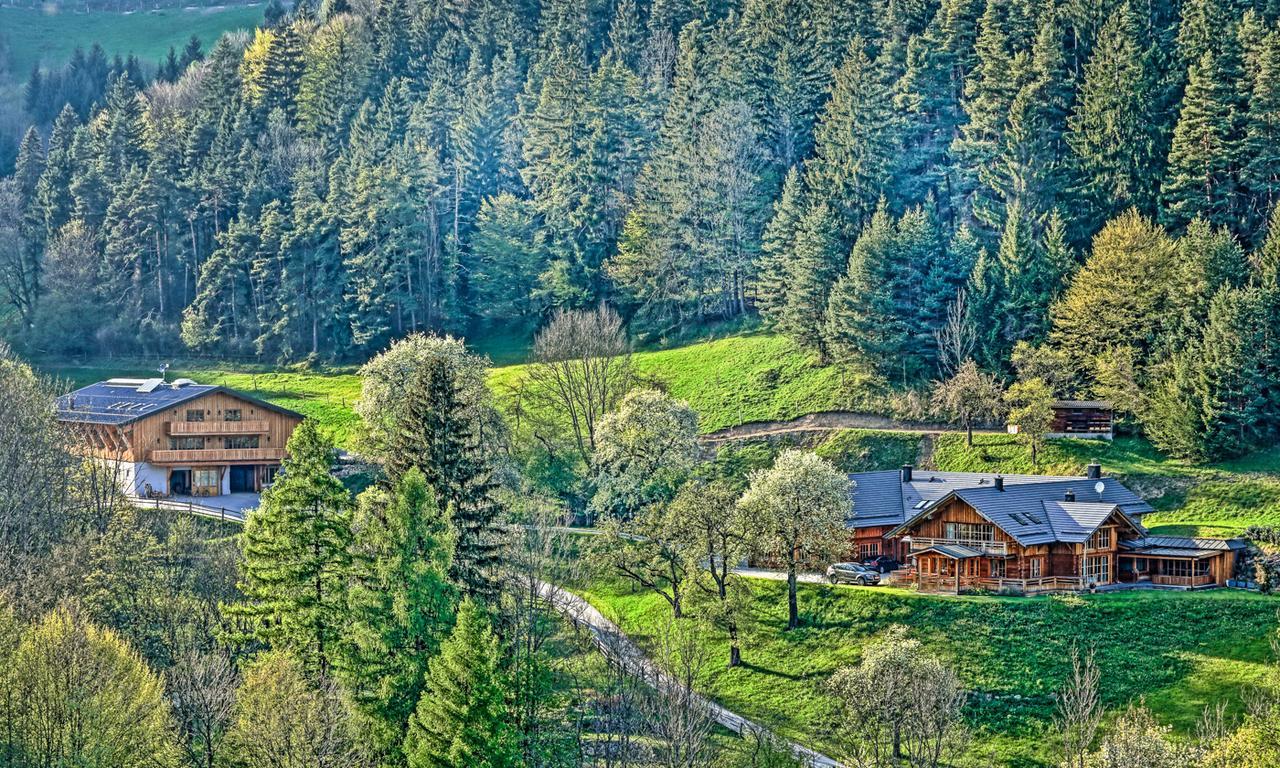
735 653
968 428
793 613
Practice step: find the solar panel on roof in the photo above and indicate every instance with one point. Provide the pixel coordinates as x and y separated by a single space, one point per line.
921 504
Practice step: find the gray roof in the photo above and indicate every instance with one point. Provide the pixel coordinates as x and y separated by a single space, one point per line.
116 403
1075 521
1184 543
1177 552
882 499
953 551
1103 404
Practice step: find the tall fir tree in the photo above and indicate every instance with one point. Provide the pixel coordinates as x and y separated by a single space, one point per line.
296 556
400 605
461 720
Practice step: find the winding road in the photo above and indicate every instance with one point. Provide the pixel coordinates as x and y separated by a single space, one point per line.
618 647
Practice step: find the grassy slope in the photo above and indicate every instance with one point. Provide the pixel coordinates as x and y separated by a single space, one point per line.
753 377
757 376
35 36
1212 500
1181 651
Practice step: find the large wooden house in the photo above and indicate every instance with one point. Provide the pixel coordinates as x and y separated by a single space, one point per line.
959 531
180 438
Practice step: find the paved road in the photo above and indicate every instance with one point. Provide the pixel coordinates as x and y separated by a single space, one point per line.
616 646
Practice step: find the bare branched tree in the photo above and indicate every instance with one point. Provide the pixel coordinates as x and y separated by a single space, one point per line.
674 712
1079 709
957 337
202 687
581 368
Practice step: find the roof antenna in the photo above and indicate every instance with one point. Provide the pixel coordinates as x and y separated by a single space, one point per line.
164 367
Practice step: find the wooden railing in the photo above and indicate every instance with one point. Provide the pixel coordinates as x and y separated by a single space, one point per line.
938 583
1199 580
248 427
919 543
215 455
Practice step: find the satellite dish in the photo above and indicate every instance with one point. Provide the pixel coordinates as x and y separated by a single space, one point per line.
1100 487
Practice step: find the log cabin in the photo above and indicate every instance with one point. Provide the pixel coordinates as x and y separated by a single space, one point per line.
1080 419
1024 534
179 438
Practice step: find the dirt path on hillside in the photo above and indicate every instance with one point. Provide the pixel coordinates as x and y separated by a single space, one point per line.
828 420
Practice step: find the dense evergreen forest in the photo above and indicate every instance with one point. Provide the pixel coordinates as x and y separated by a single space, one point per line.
1077 189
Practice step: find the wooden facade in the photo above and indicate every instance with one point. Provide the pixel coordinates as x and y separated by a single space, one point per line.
211 444
956 549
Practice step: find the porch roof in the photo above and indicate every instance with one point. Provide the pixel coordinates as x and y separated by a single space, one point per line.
953 551
1172 552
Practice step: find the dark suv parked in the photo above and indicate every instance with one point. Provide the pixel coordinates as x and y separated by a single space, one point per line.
883 563
852 573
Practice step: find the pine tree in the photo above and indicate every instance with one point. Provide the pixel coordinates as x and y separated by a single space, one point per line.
1117 156
863 320
461 721
810 272
1260 175
1205 156
296 556
855 145
400 604
988 95
776 247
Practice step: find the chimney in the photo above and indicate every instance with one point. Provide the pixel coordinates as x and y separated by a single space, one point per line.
999 483
1093 471
906 473
1070 495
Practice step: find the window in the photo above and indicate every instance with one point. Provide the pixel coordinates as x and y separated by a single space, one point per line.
1033 568
205 478
997 569
244 441
1097 569
868 551
971 531
1101 539
186 443
231 414
195 414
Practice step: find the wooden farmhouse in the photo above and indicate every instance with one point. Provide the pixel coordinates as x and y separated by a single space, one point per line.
960 531
179 438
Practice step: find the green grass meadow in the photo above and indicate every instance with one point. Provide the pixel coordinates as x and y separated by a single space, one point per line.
759 377
49 38
1180 652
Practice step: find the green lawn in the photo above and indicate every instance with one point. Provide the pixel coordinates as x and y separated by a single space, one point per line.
759 376
1179 651
50 38
1208 500
748 377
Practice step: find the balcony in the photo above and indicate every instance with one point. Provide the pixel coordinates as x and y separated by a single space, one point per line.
248 427
217 456
999 548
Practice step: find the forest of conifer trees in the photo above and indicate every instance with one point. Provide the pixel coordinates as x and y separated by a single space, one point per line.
1094 178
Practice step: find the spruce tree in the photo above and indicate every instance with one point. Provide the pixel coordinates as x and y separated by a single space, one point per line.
461 720
296 558
1205 157
810 271
776 248
400 605
1260 174
856 143
863 319
1118 156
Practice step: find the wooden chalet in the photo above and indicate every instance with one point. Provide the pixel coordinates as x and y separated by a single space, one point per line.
1024 534
180 438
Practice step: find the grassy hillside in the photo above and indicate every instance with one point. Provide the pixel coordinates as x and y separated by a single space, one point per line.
751 377
49 38
1209 500
1181 651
